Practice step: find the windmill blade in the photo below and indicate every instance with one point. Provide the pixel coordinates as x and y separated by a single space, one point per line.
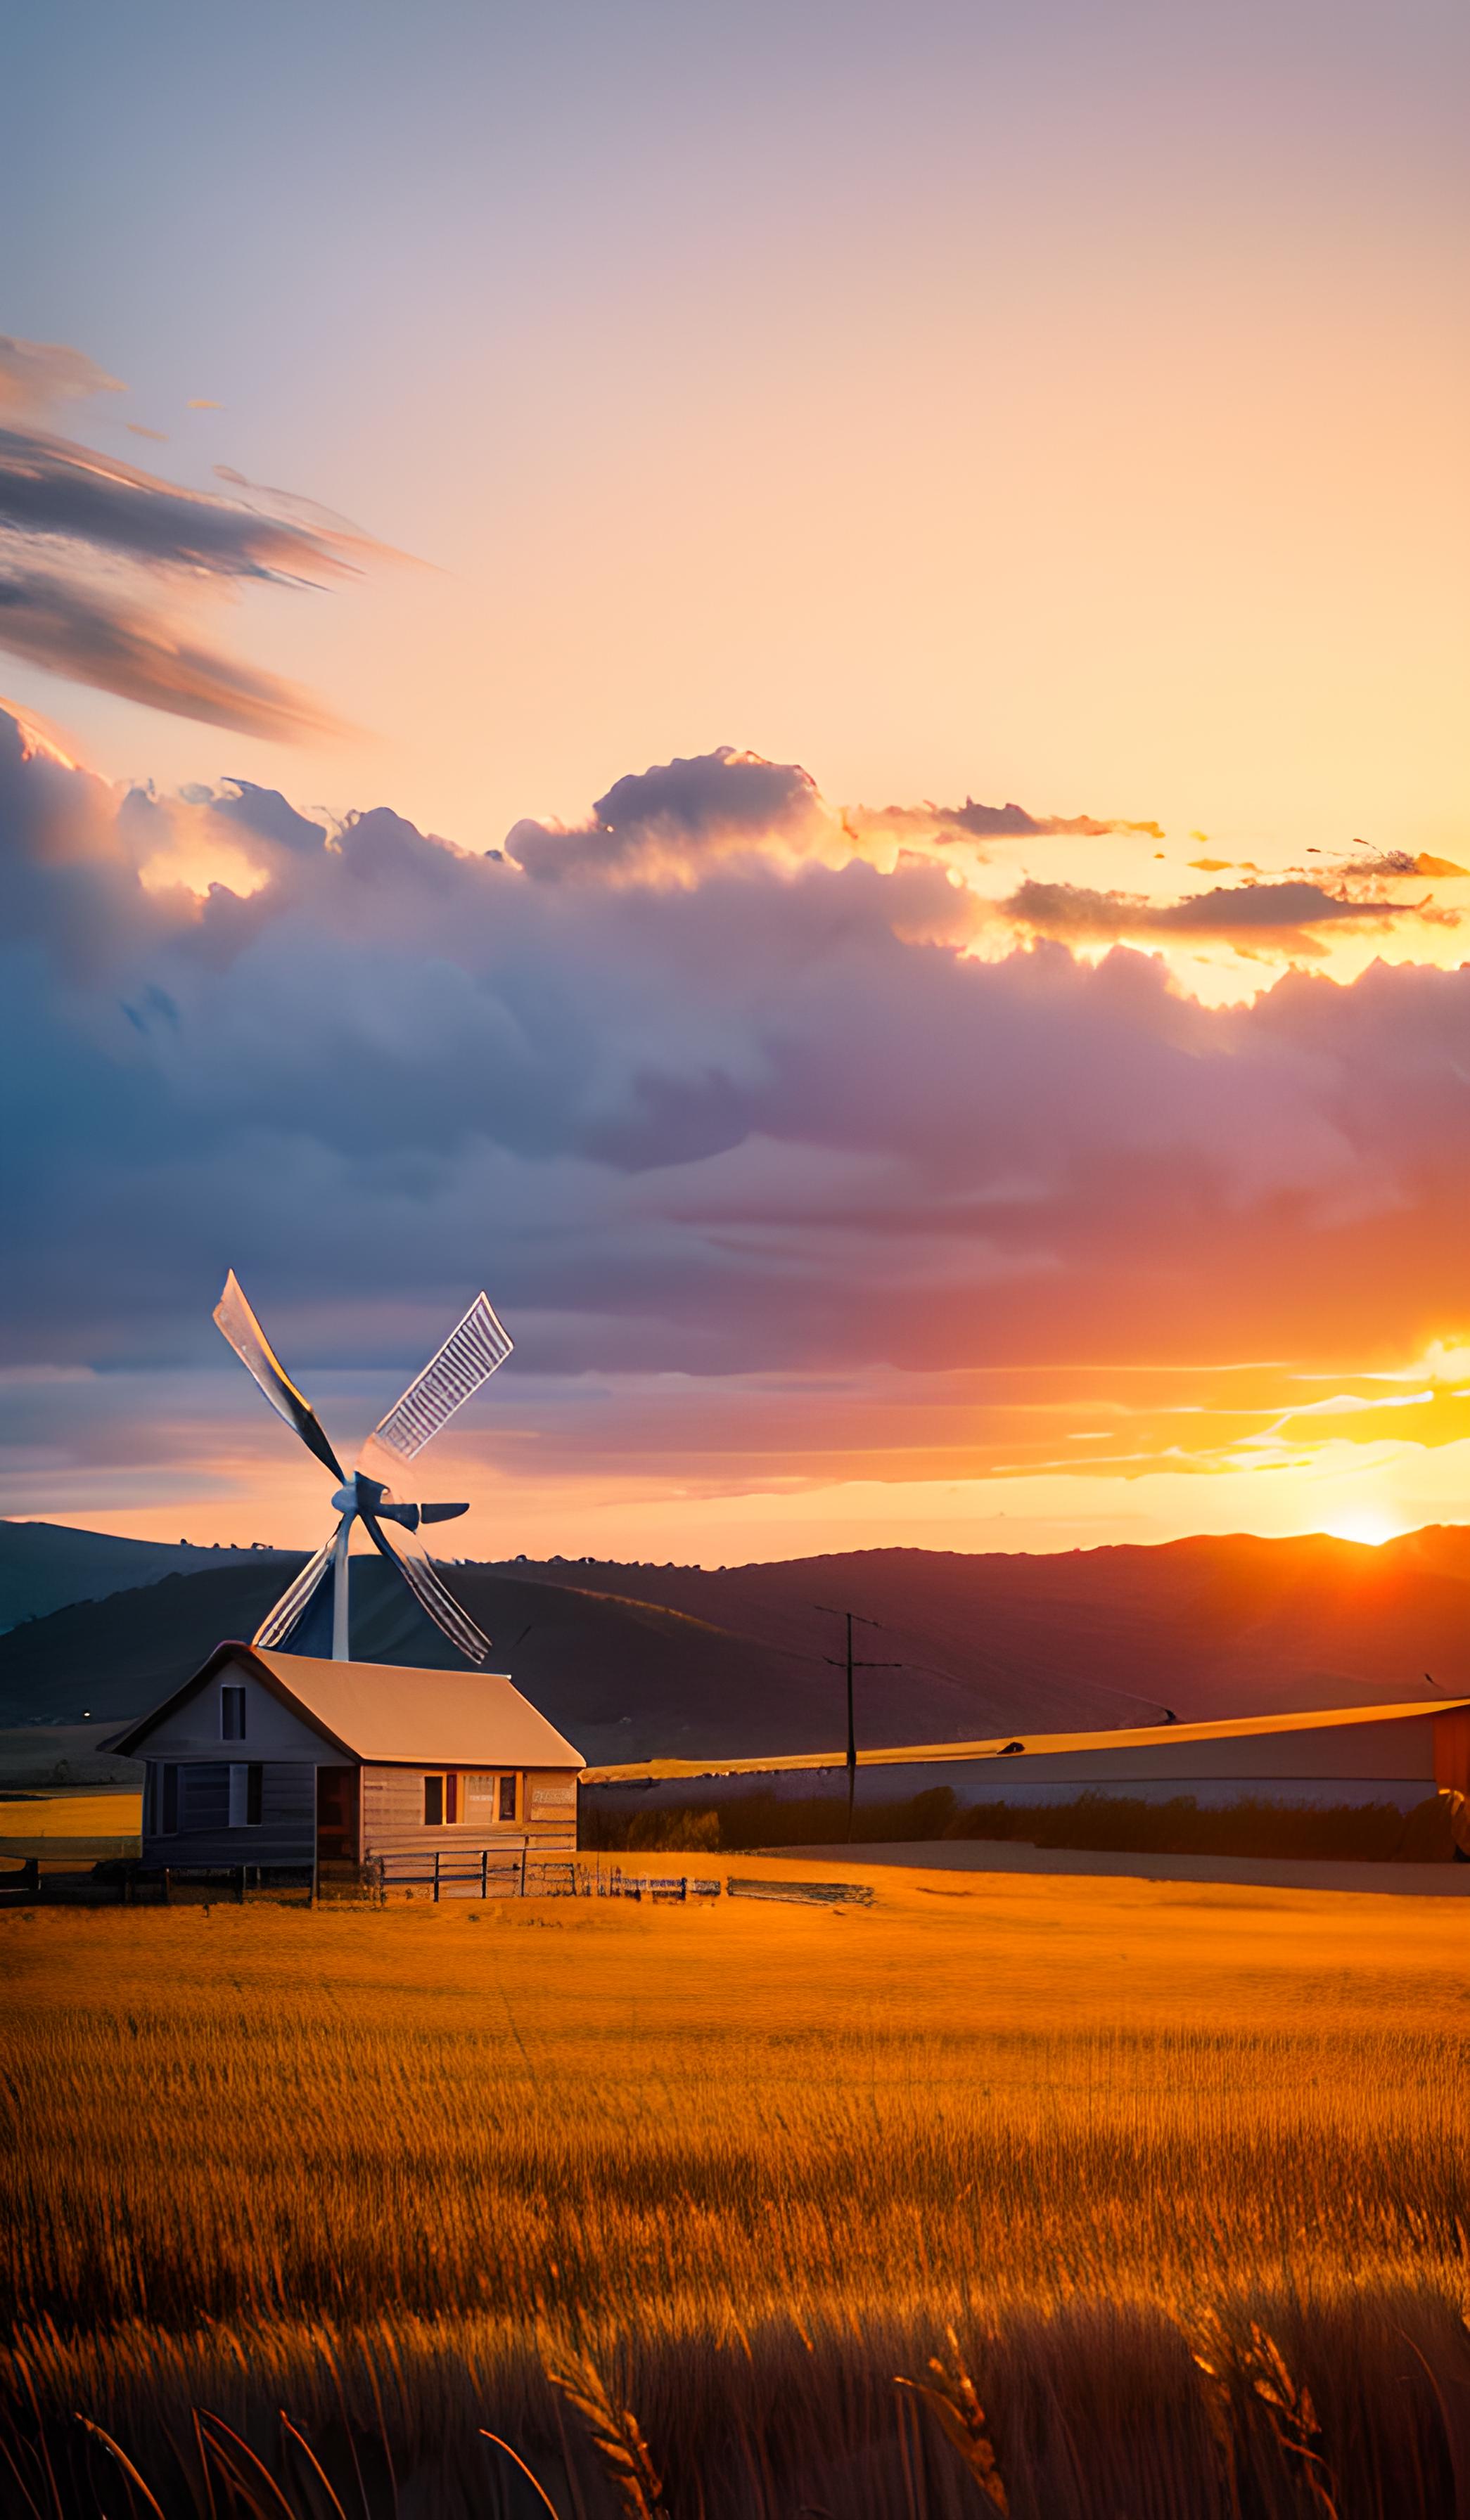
453 1374
234 1317
429 1593
280 1621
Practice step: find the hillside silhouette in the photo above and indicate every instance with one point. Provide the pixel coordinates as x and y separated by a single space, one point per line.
44 1565
1206 1627
635 1661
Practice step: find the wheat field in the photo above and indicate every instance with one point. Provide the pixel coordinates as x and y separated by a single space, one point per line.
74 1827
387 2169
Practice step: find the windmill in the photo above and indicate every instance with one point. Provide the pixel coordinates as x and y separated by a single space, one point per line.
468 1358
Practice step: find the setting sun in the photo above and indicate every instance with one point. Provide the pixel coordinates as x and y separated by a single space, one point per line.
1369 1524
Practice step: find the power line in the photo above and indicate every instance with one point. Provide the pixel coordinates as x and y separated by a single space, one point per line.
848 1664
999 1669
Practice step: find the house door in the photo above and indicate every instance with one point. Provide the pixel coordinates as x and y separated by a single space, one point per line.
336 1815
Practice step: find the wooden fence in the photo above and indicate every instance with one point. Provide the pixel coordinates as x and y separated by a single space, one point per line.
443 1875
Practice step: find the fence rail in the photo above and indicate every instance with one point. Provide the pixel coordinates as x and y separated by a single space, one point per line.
457 1874
130 1883
482 1875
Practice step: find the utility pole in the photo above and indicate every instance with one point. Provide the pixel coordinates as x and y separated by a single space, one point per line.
845 1662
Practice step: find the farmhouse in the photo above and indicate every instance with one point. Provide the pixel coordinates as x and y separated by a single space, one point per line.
266 1758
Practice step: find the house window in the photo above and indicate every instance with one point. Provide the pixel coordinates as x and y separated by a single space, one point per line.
203 1797
434 1802
232 1715
451 1798
507 1798
169 1816
246 1795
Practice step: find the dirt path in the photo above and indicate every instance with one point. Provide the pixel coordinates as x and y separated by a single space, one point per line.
1002 1855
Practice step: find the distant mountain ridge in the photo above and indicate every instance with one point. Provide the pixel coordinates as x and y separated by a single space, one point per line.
633 1661
44 1565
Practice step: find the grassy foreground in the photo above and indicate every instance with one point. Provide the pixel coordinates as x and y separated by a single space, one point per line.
387 2169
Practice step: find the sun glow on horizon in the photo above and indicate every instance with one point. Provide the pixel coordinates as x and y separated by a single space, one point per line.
1370 1525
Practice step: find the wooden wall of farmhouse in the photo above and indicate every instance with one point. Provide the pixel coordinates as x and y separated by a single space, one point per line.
287 1830
393 1817
195 1728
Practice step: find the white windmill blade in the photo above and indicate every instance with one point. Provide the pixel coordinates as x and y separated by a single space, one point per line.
280 1621
468 1358
430 1595
233 1316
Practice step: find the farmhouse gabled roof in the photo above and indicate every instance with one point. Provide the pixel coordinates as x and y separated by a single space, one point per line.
390 1712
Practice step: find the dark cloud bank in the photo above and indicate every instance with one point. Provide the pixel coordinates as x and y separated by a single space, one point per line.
767 1115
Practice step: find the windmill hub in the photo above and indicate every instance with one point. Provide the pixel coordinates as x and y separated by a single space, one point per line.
362 1495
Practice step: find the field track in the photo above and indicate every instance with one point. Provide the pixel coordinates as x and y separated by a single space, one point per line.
967 1855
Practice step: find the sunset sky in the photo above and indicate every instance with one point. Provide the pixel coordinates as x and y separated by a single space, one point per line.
835 762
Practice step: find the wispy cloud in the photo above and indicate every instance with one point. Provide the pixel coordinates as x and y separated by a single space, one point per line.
101 564
87 635
35 376
1233 912
976 822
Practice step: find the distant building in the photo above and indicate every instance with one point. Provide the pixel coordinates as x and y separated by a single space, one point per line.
279 1759
1400 1752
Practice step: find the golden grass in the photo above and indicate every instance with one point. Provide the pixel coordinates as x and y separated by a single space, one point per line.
757 2160
82 1826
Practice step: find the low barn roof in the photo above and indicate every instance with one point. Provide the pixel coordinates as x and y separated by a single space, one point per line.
1042 1744
392 1713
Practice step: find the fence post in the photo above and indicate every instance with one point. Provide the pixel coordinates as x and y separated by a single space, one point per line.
167 1893
485 1873
436 1876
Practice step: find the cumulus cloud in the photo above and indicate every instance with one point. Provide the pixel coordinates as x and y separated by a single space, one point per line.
770 1117
265 813
671 823
98 559
677 817
1282 913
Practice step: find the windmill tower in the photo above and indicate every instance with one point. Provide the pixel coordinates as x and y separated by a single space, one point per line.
468 1358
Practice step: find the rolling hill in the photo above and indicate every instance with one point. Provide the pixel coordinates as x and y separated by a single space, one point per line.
1207 1626
624 1679
633 1661
44 1565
